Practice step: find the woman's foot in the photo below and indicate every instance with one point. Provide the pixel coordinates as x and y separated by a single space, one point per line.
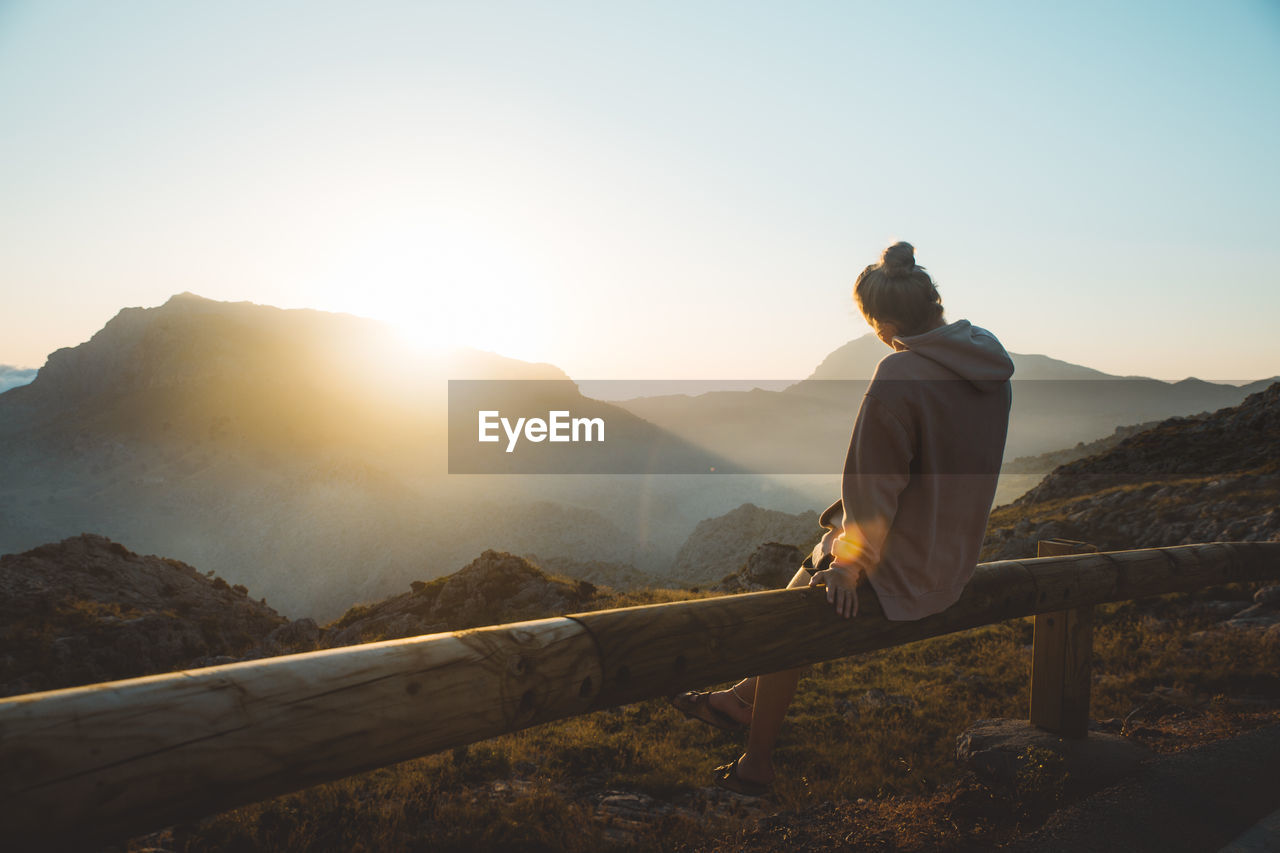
736 777
754 772
727 702
722 709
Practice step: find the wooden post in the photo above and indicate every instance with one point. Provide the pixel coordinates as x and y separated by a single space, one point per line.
1062 651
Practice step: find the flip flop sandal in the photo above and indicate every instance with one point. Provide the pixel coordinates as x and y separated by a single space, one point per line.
727 777
696 705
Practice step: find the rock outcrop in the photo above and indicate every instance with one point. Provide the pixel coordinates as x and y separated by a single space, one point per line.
619 576
88 609
1211 477
771 566
720 546
495 588
1016 752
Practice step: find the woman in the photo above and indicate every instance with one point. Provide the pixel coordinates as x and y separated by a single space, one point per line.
917 488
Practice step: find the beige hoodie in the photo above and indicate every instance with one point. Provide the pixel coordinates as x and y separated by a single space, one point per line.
922 467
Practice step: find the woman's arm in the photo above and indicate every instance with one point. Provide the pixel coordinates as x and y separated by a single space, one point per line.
877 469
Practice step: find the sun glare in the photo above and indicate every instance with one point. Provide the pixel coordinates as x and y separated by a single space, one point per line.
440 288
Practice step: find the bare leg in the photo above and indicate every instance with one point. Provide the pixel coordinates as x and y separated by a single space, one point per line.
773 695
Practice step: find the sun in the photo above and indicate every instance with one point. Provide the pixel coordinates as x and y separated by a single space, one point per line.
441 287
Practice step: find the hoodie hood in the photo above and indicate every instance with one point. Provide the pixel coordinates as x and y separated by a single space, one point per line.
967 350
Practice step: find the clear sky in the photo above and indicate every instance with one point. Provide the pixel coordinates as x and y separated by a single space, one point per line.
652 189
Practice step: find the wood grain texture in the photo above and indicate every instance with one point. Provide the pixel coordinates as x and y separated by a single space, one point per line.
1062 645
109 760
662 649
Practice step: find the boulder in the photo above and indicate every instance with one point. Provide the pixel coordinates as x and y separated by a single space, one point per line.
719 546
770 566
1003 750
495 588
301 635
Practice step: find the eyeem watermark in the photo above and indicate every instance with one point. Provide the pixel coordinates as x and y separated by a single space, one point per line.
559 426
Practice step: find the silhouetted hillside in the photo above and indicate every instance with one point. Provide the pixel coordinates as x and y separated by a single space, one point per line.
1211 477
858 359
1045 463
304 454
492 589
598 572
720 546
88 609
805 428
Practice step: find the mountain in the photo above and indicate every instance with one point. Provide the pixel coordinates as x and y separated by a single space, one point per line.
1205 478
721 546
858 359
1017 476
595 572
493 589
1043 463
804 429
87 609
249 376
306 454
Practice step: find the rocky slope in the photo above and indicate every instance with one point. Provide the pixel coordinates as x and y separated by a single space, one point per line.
1210 477
770 566
620 576
720 546
1045 463
88 609
492 589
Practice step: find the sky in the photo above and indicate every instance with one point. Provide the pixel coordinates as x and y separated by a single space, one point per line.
652 190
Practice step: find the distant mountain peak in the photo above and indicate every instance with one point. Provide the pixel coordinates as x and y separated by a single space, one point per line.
192 340
856 359
187 296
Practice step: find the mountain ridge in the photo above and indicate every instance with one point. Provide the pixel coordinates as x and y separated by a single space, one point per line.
1204 478
301 453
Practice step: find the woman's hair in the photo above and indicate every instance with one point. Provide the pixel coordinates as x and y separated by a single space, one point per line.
898 291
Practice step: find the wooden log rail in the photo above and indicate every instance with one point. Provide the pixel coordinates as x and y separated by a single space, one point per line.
108 761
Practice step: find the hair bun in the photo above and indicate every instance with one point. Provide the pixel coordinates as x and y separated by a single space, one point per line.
898 259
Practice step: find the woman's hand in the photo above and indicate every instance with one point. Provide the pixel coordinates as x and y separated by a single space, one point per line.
842 588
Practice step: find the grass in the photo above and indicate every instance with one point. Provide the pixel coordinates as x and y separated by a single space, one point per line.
539 789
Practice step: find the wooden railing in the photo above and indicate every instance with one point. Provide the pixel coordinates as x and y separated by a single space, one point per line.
107 761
